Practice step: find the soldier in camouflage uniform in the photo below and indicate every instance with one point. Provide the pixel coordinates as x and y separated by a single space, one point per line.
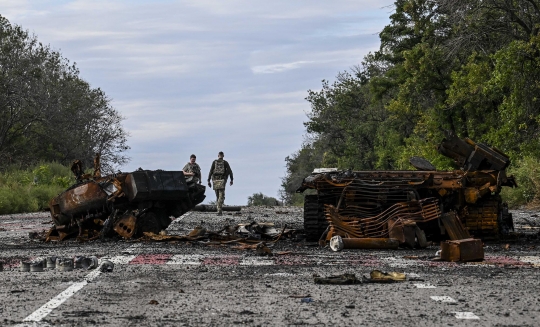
192 171
219 173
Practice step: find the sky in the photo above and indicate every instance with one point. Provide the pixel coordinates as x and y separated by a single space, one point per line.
203 76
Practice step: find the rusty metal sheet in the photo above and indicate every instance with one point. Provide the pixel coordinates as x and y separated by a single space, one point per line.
81 199
454 227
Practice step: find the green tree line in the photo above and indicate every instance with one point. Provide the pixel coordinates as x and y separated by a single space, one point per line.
470 67
48 113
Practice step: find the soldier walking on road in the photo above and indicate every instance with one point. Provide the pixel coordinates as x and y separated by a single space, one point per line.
219 172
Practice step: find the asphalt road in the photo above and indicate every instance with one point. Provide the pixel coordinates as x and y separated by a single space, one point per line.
187 284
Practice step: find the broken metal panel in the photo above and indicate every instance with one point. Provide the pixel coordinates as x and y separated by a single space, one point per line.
126 225
155 185
79 201
462 250
454 227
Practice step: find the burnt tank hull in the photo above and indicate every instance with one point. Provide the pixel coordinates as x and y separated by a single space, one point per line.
365 198
147 197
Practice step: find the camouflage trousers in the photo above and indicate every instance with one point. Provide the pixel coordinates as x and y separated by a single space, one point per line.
220 199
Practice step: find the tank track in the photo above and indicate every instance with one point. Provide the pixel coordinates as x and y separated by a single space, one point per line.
314 219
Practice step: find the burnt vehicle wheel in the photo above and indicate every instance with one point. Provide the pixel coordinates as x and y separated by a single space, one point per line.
149 223
314 221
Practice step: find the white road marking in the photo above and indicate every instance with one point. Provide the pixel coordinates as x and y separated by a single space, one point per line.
55 302
400 263
466 315
425 286
531 259
256 262
281 274
443 299
135 248
185 259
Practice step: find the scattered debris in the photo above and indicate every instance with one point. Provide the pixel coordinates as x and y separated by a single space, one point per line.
1 266
306 300
50 262
345 279
64 264
88 263
25 266
106 266
337 243
153 302
36 266
462 250
262 249
377 276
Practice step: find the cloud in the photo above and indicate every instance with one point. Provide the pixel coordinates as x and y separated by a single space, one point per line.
277 68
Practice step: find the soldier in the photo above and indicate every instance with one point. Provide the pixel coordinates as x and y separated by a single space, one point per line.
193 170
219 172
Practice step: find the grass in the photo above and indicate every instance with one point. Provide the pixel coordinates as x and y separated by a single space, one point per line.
30 190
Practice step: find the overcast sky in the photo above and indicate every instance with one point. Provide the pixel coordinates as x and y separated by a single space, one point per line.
203 76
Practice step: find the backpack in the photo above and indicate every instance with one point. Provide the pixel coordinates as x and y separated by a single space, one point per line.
219 167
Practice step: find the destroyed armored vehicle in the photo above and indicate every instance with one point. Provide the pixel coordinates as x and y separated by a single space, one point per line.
425 203
127 204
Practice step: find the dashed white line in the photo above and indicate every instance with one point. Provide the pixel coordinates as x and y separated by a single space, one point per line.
466 315
256 262
443 299
425 286
185 259
534 260
55 302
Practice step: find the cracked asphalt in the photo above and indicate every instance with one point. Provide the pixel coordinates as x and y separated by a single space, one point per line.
190 283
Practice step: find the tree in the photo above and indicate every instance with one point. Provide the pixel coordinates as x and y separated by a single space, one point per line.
259 199
47 112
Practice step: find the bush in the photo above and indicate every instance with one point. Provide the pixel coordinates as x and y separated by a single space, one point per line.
30 190
259 199
527 174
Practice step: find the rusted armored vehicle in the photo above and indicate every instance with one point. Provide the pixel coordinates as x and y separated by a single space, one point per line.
128 204
383 204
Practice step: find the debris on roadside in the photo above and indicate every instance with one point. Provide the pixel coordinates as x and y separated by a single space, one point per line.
345 279
337 243
106 266
462 250
247 236
64 264
36 265
377 276
262 249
